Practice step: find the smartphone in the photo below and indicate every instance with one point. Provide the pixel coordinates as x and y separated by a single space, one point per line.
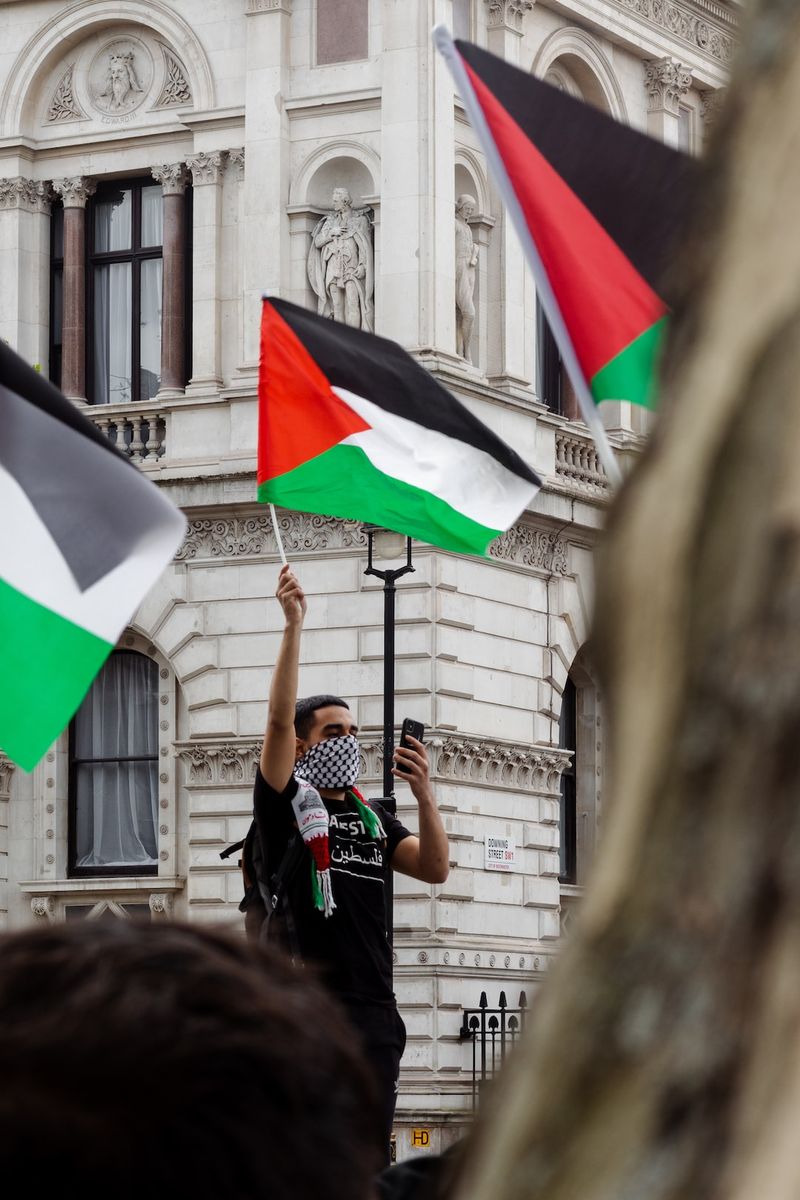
410 728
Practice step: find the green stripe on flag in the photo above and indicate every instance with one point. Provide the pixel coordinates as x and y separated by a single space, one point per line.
342 482
48 666
631 374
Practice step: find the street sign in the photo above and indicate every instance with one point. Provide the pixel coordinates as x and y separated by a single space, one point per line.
500 853
420 1138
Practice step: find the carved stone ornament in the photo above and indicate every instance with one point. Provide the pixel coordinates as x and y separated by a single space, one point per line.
667 82
120 77
43 908
711 102
683 22
28 194
7 768
254 6
245 537
530 547
228 763
173 178
495 764
507 14
236 161
175 90
207 167
161 904
75 191
63 104
340 263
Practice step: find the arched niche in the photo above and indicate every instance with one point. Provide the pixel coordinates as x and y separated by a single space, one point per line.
349 165
65 56
571 59
470 180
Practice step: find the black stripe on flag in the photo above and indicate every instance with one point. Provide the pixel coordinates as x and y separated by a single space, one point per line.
638 189
381 371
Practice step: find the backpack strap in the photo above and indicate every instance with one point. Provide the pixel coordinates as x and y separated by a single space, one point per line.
274 901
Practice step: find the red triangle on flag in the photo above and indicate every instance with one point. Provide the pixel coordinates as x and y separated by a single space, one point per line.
299 415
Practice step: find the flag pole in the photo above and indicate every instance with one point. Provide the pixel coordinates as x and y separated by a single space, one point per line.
443 41
278 538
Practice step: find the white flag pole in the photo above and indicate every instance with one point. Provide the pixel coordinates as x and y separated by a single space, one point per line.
443 42
278 539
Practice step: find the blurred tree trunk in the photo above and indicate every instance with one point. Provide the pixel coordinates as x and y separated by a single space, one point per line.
664 1059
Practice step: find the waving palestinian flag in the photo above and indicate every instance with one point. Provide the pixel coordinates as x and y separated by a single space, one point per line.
83 536
599 209
351 426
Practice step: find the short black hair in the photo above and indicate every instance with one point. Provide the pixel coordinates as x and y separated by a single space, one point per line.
251 1066
304 712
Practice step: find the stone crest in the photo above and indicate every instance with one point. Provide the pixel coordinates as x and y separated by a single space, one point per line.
120 77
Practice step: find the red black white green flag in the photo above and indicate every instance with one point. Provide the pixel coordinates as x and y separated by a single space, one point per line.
351 426
599 209
83 537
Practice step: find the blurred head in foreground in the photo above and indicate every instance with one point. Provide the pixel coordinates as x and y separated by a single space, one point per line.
165 1060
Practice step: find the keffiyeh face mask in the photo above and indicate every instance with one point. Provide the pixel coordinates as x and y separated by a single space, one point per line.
330 764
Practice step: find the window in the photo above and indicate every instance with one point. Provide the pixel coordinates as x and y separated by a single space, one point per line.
125 229
342 31
113 771
56 291
462 24
548 363
568 740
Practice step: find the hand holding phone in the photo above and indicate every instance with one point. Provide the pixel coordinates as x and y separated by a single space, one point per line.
410 728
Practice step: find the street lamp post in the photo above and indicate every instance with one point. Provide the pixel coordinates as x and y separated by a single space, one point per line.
390 546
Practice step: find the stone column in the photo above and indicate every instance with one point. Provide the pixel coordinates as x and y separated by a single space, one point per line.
74 192
206 169
172 177
25 267
510 333
667 81
265 241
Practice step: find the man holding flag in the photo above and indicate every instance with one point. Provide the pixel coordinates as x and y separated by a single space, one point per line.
340 848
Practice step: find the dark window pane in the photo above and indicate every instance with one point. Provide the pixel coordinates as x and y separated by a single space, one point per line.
152 216
112 333
150 328
57 318
58 231
112 221
548 364
342 30
567 740
115 814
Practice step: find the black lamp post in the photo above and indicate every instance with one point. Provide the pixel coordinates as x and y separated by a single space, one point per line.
388 545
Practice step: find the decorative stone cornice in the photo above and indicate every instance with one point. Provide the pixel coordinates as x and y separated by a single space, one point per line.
43 908
63 104
228 763
28 194
681 21
498 764
176 90
530 547
459 759
245 537
7 768
507 14
667 82
206 167
173 178
75 191
236 161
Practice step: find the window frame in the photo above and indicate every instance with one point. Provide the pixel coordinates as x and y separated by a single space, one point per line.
95 872
136 255
568 806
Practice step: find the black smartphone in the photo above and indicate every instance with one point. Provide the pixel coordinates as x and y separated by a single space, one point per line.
410 728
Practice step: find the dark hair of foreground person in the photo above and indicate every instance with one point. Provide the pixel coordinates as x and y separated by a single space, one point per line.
165 1060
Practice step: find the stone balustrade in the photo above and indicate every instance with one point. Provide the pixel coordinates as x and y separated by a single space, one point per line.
578 463
140 432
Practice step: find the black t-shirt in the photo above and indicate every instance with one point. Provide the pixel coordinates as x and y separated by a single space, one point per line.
350 946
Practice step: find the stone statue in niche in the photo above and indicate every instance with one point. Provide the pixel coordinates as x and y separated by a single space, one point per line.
466 262
340 265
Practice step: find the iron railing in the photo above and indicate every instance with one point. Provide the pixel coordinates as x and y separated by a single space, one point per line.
492 1031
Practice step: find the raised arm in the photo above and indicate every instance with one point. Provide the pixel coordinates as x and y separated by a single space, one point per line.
426 857
278 751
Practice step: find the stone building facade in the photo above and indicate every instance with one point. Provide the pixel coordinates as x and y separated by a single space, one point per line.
163 164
